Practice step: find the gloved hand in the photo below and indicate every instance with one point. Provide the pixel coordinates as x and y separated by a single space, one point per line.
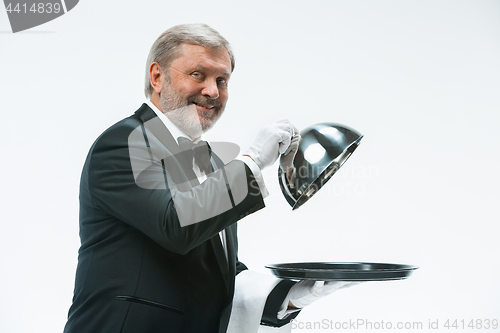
272 140
286 159
306 292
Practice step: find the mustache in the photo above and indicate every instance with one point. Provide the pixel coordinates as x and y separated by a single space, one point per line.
207 101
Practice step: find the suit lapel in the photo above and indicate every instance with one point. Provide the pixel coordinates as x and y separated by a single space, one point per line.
156 126
221 259
231 248
151 121
226 266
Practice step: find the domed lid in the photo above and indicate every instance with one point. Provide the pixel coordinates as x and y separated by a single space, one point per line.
324 148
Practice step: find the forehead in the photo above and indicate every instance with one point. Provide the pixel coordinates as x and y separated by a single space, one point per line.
196 56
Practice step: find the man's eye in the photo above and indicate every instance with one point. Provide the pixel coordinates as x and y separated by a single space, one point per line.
222 81
197 75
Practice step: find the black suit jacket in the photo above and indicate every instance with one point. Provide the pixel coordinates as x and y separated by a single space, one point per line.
139 270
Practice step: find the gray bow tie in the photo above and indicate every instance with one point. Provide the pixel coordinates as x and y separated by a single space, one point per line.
200 151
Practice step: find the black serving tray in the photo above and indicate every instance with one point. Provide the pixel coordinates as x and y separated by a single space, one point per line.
341 271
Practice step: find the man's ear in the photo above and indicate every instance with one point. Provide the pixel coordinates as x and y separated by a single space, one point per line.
156 77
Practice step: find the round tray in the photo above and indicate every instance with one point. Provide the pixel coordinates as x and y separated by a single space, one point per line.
341 271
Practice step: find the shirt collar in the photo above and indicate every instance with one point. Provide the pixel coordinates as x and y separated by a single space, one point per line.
174 130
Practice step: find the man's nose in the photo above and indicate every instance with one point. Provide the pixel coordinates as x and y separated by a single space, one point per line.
210 89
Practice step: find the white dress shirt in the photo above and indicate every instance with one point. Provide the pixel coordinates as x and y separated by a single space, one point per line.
252 288
176 133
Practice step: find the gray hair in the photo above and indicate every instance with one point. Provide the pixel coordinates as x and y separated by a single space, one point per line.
166 48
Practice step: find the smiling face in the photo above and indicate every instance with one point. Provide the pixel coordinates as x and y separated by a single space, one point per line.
194 92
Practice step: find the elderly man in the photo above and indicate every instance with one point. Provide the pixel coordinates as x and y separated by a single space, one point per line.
158 220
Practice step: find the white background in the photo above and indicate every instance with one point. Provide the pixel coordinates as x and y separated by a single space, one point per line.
420 79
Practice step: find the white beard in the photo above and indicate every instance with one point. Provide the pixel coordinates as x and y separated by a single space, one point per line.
185 117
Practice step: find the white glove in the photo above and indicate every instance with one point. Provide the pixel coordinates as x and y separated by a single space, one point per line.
272 140
306 292
286 159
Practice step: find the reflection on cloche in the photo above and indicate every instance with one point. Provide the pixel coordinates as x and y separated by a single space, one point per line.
322 151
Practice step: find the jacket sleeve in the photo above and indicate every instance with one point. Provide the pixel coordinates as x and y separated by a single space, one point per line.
273 304
128 179
257 300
